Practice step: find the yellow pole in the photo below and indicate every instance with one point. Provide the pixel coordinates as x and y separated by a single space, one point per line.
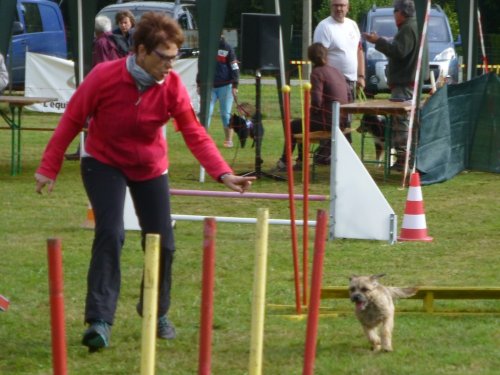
150 304
301 97
259 293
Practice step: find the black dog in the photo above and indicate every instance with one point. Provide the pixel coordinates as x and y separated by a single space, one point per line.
242 127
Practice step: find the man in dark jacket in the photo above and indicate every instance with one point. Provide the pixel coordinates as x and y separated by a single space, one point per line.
402 53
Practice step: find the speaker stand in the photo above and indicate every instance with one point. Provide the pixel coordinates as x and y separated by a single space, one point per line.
258 130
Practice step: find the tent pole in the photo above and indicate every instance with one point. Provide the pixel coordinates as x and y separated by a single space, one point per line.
281 56
470 43
80 41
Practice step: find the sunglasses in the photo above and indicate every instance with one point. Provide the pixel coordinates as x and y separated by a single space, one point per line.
165 58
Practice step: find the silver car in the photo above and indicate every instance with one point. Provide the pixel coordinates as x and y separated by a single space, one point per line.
443 61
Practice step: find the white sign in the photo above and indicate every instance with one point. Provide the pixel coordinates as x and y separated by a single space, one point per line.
49 77
52 77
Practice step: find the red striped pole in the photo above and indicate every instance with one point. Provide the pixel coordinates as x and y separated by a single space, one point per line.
207 297
481 39
314 301
305 192
54 252
293 227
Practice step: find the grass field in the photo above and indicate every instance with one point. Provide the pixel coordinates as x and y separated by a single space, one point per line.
463 216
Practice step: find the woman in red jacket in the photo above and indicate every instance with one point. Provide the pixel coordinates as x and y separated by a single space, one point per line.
127 102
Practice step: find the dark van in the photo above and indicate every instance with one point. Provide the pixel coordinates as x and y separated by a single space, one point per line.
39 28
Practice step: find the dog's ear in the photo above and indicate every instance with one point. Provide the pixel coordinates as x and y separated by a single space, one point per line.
376 277
352 277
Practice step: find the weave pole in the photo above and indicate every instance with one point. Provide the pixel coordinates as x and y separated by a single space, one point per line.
207 297
314 302
57 320
289 168
259 293
150 307
305 192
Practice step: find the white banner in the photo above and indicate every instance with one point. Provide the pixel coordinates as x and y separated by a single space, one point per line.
187 69
49 77
52 77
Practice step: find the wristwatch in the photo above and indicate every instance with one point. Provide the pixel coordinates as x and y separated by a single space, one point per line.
223 176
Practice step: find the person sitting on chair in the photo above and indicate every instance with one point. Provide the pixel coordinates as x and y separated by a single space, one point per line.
328 85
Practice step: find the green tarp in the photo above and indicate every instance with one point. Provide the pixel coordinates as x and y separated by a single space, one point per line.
460 129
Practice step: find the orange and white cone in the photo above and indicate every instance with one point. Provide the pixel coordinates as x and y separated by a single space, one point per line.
90 220
414 227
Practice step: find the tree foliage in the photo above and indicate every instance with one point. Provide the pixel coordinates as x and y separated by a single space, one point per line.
356 8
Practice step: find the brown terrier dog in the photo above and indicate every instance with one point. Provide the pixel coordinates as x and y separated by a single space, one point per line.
375 308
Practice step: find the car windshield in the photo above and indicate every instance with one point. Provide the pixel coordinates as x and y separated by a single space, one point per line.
438 31
384 26
183 17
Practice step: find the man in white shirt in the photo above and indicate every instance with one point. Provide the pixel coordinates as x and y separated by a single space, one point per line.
341 36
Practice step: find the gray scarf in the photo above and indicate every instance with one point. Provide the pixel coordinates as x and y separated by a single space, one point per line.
142 78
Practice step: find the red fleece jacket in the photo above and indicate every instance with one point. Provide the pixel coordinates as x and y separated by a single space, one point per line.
125 127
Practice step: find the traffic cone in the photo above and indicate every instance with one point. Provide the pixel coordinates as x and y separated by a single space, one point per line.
414 227
90 220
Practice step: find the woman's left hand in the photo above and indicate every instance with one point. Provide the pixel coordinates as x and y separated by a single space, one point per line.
238 183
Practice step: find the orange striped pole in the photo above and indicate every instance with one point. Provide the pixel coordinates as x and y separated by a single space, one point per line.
293 227
57 321
313 311
207 297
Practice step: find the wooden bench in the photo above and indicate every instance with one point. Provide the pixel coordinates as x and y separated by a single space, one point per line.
428 294
314 137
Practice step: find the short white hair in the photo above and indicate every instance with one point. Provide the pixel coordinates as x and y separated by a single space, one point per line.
102 24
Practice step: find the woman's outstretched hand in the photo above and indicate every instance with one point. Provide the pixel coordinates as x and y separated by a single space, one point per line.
238 183
41 181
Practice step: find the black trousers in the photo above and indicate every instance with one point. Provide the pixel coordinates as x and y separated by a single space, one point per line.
296 127
106 189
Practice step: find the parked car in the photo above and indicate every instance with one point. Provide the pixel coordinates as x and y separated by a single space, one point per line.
443 60
38 27
183 12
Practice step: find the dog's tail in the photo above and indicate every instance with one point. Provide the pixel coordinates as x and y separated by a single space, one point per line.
402 292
